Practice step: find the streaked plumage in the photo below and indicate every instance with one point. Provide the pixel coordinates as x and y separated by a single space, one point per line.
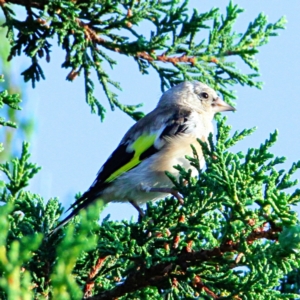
154 145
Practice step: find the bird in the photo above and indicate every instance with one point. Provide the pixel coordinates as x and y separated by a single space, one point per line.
136 170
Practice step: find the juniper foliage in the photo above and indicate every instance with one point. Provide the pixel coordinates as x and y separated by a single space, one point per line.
11 94
11 101
235 237
91 31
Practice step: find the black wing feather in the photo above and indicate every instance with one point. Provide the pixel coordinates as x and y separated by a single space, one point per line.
176 124
119 158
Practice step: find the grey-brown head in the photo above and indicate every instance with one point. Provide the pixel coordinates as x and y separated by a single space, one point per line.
197 95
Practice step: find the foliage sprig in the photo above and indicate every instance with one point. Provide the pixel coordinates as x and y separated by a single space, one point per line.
176 48
219 243
9 100
236 235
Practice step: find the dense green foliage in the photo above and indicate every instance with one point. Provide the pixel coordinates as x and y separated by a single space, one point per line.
11 101
11 116
235 237
90 31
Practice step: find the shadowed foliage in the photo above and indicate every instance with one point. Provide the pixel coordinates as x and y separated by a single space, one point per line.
236 235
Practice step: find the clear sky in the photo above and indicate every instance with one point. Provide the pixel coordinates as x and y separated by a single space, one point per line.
71 144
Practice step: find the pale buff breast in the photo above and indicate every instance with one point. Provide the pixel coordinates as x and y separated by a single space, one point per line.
175 152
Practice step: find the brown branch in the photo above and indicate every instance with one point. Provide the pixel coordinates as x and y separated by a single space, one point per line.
197 282
90 282
155 275
167 59
92 35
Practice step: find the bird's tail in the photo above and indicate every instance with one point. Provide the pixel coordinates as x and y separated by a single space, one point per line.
82 202
65 221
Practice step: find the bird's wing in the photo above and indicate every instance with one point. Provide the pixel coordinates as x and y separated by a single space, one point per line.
144 139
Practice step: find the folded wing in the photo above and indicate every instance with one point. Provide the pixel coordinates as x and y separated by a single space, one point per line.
136 146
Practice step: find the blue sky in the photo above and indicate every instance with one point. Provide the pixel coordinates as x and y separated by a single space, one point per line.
71 144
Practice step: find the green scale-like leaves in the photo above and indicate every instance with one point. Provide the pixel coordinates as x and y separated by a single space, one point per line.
236 235
8 100
222 241
89 31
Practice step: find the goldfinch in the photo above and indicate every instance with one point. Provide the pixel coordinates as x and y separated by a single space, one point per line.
135 171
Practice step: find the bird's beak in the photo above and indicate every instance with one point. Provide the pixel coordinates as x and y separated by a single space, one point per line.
220 105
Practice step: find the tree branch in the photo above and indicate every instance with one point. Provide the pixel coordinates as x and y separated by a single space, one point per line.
92 35
155 275
90 282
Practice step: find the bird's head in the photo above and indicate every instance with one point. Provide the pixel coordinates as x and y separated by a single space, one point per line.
197 95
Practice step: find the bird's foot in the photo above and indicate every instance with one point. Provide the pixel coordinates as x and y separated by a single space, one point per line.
167 191
135 205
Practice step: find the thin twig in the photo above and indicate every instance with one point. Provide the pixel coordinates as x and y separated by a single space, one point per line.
91 35
90 282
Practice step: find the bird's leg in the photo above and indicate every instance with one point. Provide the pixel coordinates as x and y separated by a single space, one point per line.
167 191
134 204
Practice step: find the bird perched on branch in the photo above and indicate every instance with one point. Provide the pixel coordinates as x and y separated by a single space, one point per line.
135 171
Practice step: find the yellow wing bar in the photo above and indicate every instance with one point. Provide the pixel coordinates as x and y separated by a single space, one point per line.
141 144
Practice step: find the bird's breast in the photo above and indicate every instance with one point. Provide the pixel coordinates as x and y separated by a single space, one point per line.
174 153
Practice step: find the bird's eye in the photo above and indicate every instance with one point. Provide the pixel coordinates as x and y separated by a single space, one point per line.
204 95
